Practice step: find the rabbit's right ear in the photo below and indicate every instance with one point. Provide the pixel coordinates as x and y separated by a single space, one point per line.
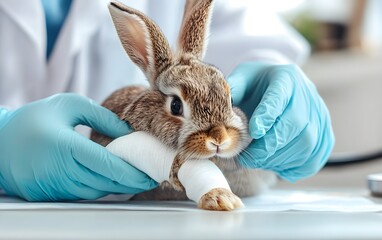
142 39
195 27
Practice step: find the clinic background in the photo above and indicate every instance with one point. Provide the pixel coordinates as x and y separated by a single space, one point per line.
345 64
346 40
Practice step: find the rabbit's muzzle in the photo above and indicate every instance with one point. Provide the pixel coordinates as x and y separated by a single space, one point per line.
218 141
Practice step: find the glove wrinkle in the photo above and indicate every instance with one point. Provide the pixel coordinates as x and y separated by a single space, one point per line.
289 121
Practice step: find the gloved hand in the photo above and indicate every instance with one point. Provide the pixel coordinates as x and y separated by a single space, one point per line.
42 158
287 118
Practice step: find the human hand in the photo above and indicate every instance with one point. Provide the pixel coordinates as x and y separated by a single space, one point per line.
287 117
42 158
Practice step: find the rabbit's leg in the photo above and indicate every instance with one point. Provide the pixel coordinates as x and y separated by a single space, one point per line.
205 184
174 180
220 199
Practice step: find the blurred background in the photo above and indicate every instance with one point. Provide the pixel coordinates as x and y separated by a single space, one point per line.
346 66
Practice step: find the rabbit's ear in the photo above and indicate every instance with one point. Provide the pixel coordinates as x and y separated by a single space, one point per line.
142 39
195 27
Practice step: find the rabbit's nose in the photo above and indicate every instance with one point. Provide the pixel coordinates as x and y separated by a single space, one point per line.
218 134
218 139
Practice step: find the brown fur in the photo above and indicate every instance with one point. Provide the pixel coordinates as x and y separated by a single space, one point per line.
194 28
209 119
161 52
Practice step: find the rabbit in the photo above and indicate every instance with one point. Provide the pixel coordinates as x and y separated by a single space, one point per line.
188 106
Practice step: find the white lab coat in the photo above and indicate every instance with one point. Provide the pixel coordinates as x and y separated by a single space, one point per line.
89 60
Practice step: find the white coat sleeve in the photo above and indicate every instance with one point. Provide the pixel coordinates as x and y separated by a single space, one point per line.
241 33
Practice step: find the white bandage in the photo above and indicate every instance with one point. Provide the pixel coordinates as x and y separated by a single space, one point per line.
199 177
146 153
151 156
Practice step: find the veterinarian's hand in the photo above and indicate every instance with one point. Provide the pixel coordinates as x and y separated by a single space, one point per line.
42 158
287 118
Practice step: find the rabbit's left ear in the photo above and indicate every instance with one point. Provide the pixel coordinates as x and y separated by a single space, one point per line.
143 41
195 27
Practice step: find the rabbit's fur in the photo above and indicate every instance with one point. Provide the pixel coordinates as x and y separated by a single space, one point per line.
208 119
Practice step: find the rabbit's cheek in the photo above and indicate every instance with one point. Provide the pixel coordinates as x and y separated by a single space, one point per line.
196 144
234 135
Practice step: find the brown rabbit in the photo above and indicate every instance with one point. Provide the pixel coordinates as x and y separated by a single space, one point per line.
188 106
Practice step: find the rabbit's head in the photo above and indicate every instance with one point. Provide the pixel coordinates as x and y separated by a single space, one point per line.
189 104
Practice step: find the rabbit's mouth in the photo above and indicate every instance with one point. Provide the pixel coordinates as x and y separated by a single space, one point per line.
226 154
220 155
223 150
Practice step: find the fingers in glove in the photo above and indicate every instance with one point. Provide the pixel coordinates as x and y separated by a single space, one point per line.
82 110
273 103
100 160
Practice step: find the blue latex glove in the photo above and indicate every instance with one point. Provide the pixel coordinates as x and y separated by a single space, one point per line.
287 117
42 158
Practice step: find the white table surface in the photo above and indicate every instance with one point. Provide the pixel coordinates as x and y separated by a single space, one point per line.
188 225
124 224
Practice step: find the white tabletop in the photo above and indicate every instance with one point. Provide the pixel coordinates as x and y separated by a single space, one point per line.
188 225
128 224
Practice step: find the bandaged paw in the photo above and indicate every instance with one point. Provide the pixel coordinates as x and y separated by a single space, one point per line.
151 156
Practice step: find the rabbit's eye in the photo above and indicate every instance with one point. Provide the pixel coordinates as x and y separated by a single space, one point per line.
176 106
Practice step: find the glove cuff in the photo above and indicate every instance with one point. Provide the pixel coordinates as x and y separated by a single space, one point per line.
3 113
3 116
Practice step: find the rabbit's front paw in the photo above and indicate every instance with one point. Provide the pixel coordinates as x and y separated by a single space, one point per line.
220 199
